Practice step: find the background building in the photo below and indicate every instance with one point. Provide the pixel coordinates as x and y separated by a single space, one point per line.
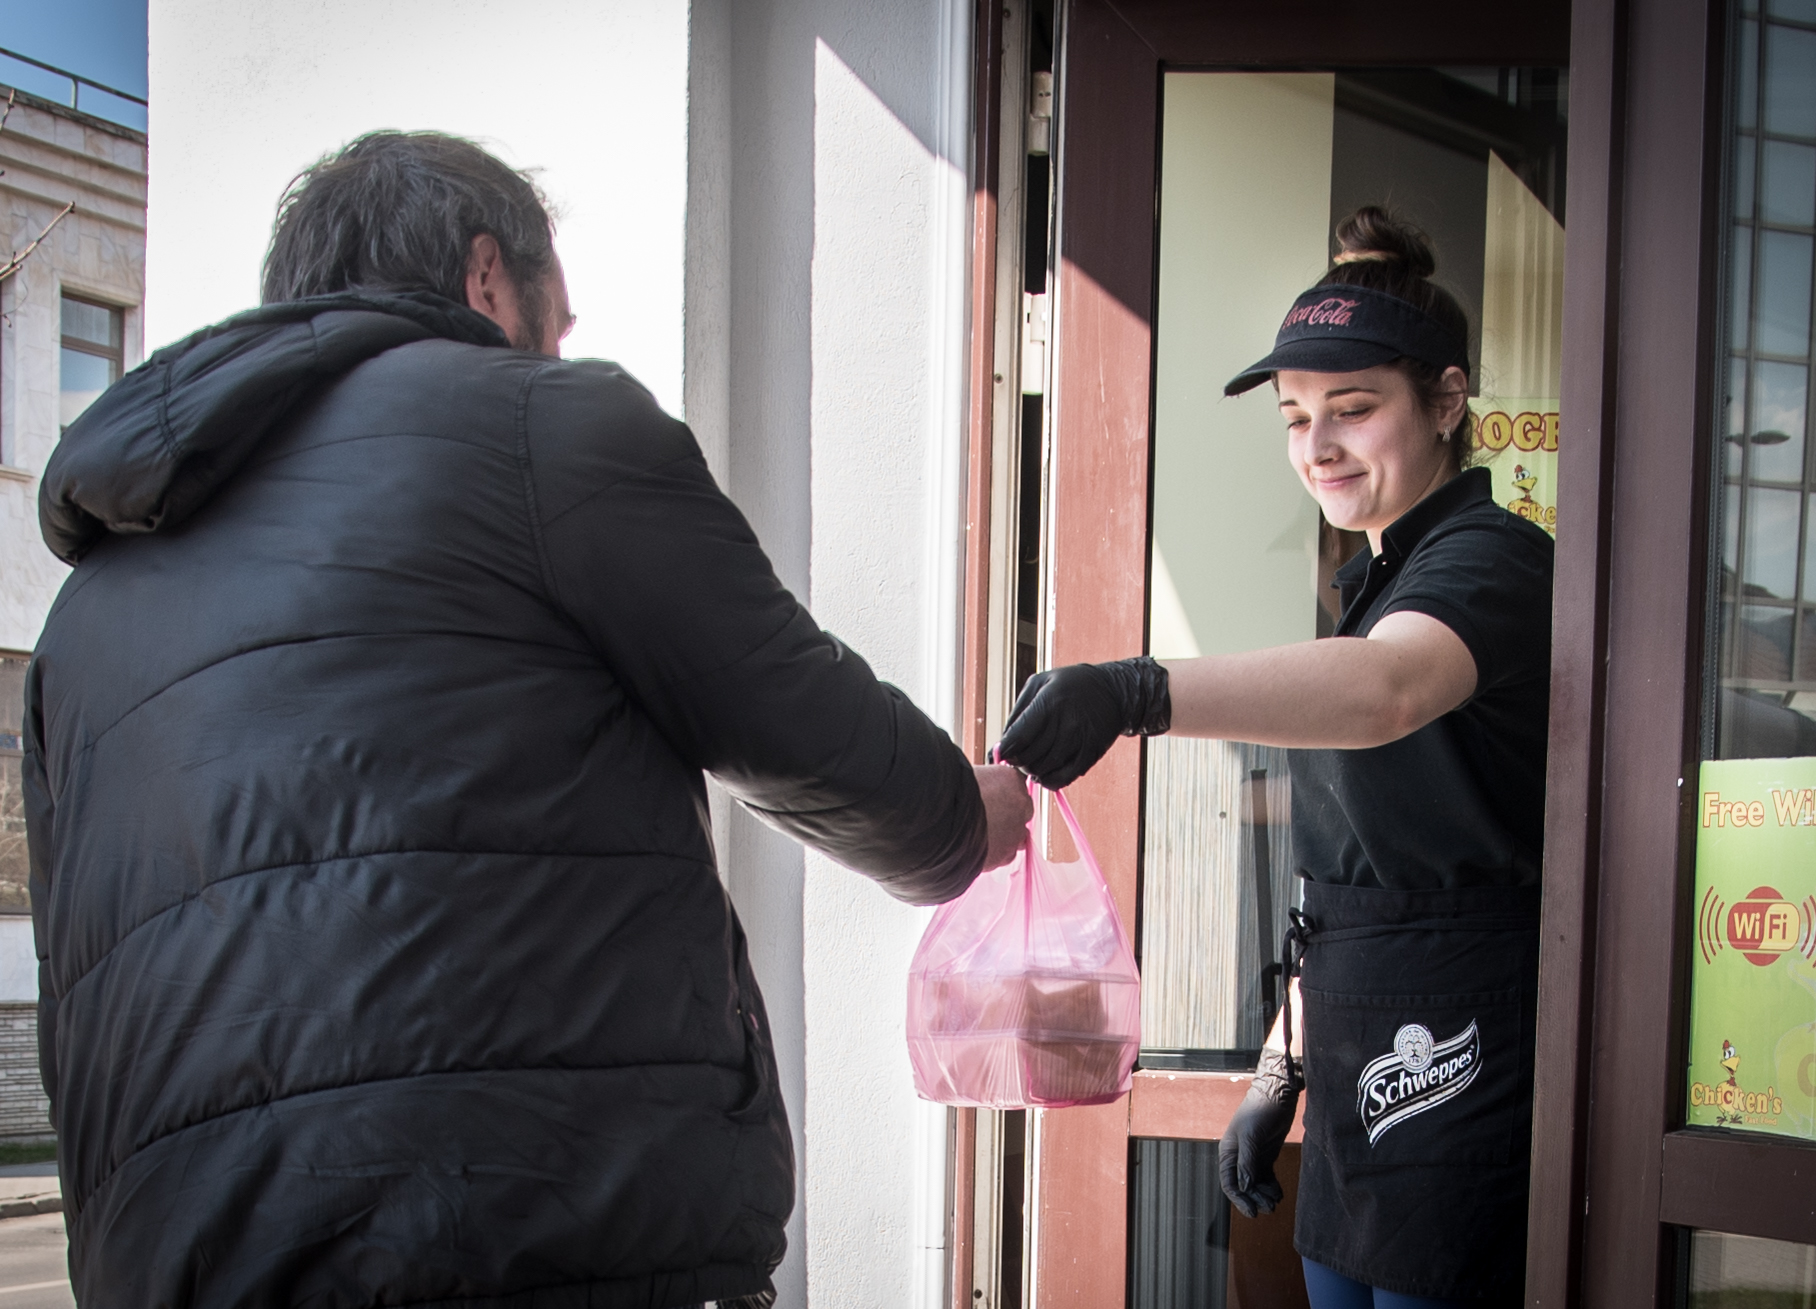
70 324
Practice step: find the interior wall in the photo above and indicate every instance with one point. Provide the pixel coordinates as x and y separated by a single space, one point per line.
1244 211
1442 191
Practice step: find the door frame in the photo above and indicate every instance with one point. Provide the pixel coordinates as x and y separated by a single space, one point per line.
1640 321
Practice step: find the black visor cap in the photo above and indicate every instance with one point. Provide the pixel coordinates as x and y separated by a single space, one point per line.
1344 329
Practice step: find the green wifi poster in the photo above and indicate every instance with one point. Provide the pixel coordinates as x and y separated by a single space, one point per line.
1753 971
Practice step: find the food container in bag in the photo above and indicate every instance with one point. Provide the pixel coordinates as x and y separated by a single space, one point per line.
1024 991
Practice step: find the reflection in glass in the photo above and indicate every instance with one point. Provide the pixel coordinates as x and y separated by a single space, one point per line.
1741 288
1730 522
1737 417
1784 293
95 324
1767 551
1775 449
1806 656
1750 1272
84 376
1809 558
1787 191
1744 157
1771 568
1762 650
1798 11
1747 107
1790 91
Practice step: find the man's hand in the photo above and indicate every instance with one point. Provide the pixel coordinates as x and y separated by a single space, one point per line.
1008 809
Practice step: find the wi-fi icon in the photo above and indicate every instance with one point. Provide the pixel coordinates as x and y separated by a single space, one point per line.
1806 940
1709 925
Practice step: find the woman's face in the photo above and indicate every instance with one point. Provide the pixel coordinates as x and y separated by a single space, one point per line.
1364 445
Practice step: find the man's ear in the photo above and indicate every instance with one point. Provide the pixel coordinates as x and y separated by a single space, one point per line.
485 275
491 291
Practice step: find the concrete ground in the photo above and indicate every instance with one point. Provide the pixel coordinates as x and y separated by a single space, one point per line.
34 1254
34 1263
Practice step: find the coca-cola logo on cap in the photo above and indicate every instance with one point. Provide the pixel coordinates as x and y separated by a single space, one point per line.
1332 311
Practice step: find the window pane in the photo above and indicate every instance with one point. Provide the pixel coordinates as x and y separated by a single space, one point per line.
94 323
1771 567
84 377
1787 193
1747 108
1763 651
1737 417
1752 1040
1790 90
1775 446
1750 1272
1740 288
1730 555
1798 11
1744 156
1804 702
1784 294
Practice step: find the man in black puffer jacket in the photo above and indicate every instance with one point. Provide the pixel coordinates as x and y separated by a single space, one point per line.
383 957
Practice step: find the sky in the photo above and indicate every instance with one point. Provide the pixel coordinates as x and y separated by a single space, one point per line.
100 39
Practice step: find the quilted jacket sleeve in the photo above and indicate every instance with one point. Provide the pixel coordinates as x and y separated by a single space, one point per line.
667 581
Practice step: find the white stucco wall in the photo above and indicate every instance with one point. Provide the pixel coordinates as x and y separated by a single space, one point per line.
593 94
836 270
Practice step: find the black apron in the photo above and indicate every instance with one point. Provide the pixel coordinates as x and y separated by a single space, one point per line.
1419 1015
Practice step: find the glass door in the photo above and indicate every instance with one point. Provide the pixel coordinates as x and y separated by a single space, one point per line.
1192 204
1256 171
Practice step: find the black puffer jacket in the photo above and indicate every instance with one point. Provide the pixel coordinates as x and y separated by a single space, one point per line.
383 957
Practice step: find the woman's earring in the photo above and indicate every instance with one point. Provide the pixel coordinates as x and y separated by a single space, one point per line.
1444 437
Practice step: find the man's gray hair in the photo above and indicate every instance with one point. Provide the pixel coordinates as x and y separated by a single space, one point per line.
398 211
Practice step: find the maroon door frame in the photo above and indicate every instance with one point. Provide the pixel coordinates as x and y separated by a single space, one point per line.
1612 1171
1112 58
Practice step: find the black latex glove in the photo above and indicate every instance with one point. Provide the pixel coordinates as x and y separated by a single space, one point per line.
1257 1130
1065 719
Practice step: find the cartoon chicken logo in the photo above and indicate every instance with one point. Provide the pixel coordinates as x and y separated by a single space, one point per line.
1523 482
1730 1061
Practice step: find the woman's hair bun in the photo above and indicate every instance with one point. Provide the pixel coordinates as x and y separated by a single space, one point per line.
1373 233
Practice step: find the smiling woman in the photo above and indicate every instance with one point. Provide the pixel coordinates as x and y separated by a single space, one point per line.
1417 745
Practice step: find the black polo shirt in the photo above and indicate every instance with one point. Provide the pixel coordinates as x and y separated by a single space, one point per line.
1461 801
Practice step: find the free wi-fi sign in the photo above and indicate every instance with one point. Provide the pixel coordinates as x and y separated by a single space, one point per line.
1762 926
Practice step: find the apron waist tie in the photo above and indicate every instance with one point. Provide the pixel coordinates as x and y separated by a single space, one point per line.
1300 934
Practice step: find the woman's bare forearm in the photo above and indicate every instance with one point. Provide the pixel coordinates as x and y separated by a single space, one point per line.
1277 1034
1342 693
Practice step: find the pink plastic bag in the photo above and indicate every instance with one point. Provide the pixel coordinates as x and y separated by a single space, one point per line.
1024 991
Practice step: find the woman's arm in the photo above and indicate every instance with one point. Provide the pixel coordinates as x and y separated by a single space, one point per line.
1276 1036
1343 693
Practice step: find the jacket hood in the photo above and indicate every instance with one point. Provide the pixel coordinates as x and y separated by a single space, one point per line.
158 443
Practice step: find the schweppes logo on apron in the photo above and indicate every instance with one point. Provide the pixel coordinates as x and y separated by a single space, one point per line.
1419 1074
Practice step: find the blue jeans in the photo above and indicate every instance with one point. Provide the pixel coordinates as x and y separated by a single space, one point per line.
1331 1290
